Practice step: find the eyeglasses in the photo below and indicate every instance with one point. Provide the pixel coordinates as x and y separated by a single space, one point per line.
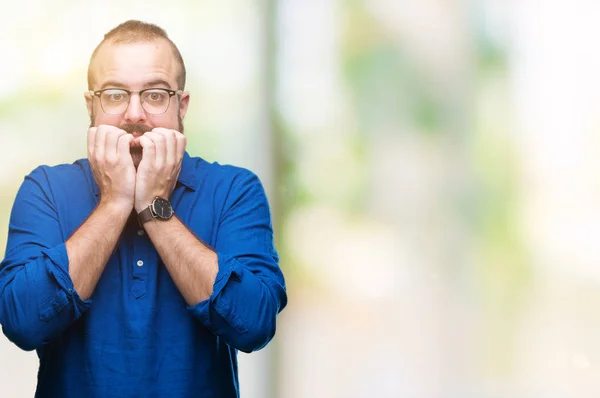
115 101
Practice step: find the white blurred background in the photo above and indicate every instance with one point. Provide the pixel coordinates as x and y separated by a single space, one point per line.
432 165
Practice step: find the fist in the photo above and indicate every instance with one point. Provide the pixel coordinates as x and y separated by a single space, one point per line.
110 160
157 173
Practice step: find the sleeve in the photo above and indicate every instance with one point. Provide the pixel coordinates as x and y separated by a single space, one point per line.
249 290
37 298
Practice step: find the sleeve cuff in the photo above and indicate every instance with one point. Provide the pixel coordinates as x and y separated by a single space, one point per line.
228 266
58 267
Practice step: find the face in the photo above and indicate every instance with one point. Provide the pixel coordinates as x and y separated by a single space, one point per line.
137 66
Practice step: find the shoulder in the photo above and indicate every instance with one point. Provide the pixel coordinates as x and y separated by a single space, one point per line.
221 175
216 169
72 175
226 183
64 171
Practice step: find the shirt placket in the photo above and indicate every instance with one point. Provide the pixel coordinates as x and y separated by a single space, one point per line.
140 264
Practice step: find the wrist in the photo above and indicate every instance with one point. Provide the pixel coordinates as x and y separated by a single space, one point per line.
159 208
141 206
115 208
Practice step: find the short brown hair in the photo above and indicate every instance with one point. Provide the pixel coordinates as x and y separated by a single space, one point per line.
133 31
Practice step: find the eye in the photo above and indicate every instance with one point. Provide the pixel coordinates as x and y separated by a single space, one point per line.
155 96
114 95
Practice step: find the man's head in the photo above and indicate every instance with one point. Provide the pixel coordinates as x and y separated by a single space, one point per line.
136 56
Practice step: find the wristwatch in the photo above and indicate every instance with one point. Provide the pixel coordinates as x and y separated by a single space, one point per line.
159 209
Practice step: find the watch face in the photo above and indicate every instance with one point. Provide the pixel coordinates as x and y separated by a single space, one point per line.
162 208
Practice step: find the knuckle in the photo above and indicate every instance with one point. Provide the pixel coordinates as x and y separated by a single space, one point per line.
111 160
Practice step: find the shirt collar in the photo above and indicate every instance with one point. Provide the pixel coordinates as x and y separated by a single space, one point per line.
187 175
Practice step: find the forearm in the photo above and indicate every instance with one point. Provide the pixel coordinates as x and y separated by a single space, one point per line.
191 264
90 247
194 267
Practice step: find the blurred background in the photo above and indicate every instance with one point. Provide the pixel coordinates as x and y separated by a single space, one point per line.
432 167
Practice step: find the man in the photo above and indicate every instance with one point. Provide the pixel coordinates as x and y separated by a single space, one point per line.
139 271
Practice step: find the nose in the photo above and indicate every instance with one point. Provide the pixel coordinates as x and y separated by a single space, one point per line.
135 113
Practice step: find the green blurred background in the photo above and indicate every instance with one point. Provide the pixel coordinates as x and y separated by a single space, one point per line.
432 167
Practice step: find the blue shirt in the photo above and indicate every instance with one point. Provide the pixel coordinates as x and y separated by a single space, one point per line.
136 336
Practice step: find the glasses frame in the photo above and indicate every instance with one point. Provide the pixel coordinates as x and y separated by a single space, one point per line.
171 93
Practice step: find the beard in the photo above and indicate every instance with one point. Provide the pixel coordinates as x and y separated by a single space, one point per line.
136 151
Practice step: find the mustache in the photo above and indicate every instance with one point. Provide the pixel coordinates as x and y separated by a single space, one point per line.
131 127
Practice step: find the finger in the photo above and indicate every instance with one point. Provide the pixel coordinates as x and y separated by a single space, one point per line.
91 138
110 144
148 149
170 144
159 146
135 142
170 148
99 143
181 143
123 145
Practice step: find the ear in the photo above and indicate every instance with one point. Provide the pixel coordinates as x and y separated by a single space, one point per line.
89 102
183 104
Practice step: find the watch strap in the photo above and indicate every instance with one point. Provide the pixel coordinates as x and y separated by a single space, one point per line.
145 215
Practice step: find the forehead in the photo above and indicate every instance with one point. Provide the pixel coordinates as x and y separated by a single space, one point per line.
134 65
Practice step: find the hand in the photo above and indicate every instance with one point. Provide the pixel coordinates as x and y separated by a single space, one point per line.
162 153
111 162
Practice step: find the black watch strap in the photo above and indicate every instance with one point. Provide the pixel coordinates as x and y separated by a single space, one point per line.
145 215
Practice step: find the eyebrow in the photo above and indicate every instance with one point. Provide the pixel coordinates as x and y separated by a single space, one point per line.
157 82
152 83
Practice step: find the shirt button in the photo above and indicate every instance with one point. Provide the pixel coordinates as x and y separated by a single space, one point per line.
140 263
140 232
